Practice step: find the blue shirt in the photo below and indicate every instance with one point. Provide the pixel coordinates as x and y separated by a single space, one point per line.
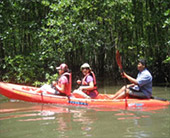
144 79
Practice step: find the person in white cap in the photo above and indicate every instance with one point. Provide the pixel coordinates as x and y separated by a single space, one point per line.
88 88
62 86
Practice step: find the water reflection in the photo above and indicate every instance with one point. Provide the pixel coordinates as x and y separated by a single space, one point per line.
130 116
79 114
67 121
63 119
143 124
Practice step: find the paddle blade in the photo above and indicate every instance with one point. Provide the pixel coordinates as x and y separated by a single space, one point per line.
118 60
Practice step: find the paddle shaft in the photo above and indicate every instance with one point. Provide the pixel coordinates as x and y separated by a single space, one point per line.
119 63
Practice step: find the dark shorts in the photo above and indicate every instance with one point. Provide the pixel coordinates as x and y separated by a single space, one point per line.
137 94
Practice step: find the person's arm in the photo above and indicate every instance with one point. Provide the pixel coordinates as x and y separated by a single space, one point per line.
63 81
60 89
90 87
132 80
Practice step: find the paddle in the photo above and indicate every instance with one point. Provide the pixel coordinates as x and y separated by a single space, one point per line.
118 59
119 63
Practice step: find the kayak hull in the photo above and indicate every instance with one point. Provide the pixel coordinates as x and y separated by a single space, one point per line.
29 94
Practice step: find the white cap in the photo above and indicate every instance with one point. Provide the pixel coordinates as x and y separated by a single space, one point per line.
85 65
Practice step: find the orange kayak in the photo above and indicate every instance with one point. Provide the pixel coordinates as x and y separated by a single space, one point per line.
29 94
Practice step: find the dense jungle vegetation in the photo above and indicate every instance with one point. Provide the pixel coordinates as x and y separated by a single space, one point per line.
38 35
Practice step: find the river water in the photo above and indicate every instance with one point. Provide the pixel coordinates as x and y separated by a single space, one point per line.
29 120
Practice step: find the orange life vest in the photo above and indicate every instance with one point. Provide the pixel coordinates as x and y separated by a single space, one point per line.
68 86
84 83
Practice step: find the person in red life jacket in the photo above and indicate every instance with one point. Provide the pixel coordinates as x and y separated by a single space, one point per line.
62 86
88 88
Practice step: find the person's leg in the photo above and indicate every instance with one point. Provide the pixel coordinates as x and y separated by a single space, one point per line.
122 94
81 93
47 89
119 92
41 89
134 94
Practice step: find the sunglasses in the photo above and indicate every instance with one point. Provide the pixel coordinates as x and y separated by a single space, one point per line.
85 68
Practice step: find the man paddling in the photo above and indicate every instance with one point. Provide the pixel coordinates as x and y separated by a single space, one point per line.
141 87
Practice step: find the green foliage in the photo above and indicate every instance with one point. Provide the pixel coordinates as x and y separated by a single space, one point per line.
49 78
27 69
167 60
37 35
20 69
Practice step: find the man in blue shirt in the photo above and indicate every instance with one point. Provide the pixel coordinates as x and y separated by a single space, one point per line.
141 87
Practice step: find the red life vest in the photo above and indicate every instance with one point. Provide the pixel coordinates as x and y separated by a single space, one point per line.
68 86
84 83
